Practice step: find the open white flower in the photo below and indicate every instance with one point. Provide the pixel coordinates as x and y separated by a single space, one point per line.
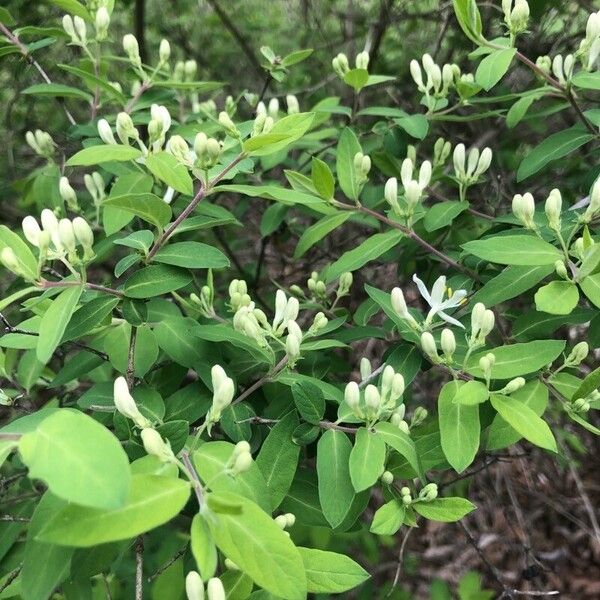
436 300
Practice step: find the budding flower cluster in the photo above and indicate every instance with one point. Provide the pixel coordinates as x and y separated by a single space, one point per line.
76 29
286 520
486 364
40 142
482 323
207 150
101 23
126 405
340 65
438 80
95 185
406 496
414 188
577 355
160 123
469 168
344 285
516 17
441 151
263 123
56 238
293 107
377 401
429 492
286 310
316 287
228 125
180 149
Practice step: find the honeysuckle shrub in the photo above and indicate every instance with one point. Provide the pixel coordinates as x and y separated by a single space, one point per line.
172 425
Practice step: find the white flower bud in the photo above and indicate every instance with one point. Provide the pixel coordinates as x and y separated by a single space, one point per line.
513 385
9 260
399 304
387 477
372 398
485 160
352 395
67 23
223 394
459 160
523 208
424 174
215 589
412 193
293 106
31 230
242 463
227 124
406 171
291 310
105 132
66 234
448 342
398 386
594 205
578 354
101 23
294 329
391 192
190 69
126 405
156 446
83 232
194 586
365 368
292 348
67 193
429 346
273 110
132 49
80 28
164 51
417 75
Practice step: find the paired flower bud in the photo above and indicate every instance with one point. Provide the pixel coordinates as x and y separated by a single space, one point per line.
156 446
76 29
523 207
194 586
513 385
293 107
241 459
429 492
578 354
553 208
228 125
362 60
340 65
441 151
362 166
345 283
516 17
562 68
40 142
482 323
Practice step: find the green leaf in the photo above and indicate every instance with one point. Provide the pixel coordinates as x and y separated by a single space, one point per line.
6 18
152 501
524 420
319 230
348 146
330 572
55 320
367 459
590 286
284 132
552 148
27 261
493 67
521 250
442 214
175 336
371 249
401 442
79 460
533 394
446 510
511 282
256 544
73 7
388 518
57 90
309 401
586 81
588 385
89 316
203 547
519 109
513 360
459 428
557 298
278 458
193 255
322 179
416 126
336 492
295 57
45 566
168 169
148 207
469 19
471 393
155 280
96 155
92 81
357 78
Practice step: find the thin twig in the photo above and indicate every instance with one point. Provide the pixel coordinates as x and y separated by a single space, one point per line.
130 374
400 559
166 565
139 567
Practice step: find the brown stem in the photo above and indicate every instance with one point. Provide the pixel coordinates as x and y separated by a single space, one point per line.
202 192
90 286
139 567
